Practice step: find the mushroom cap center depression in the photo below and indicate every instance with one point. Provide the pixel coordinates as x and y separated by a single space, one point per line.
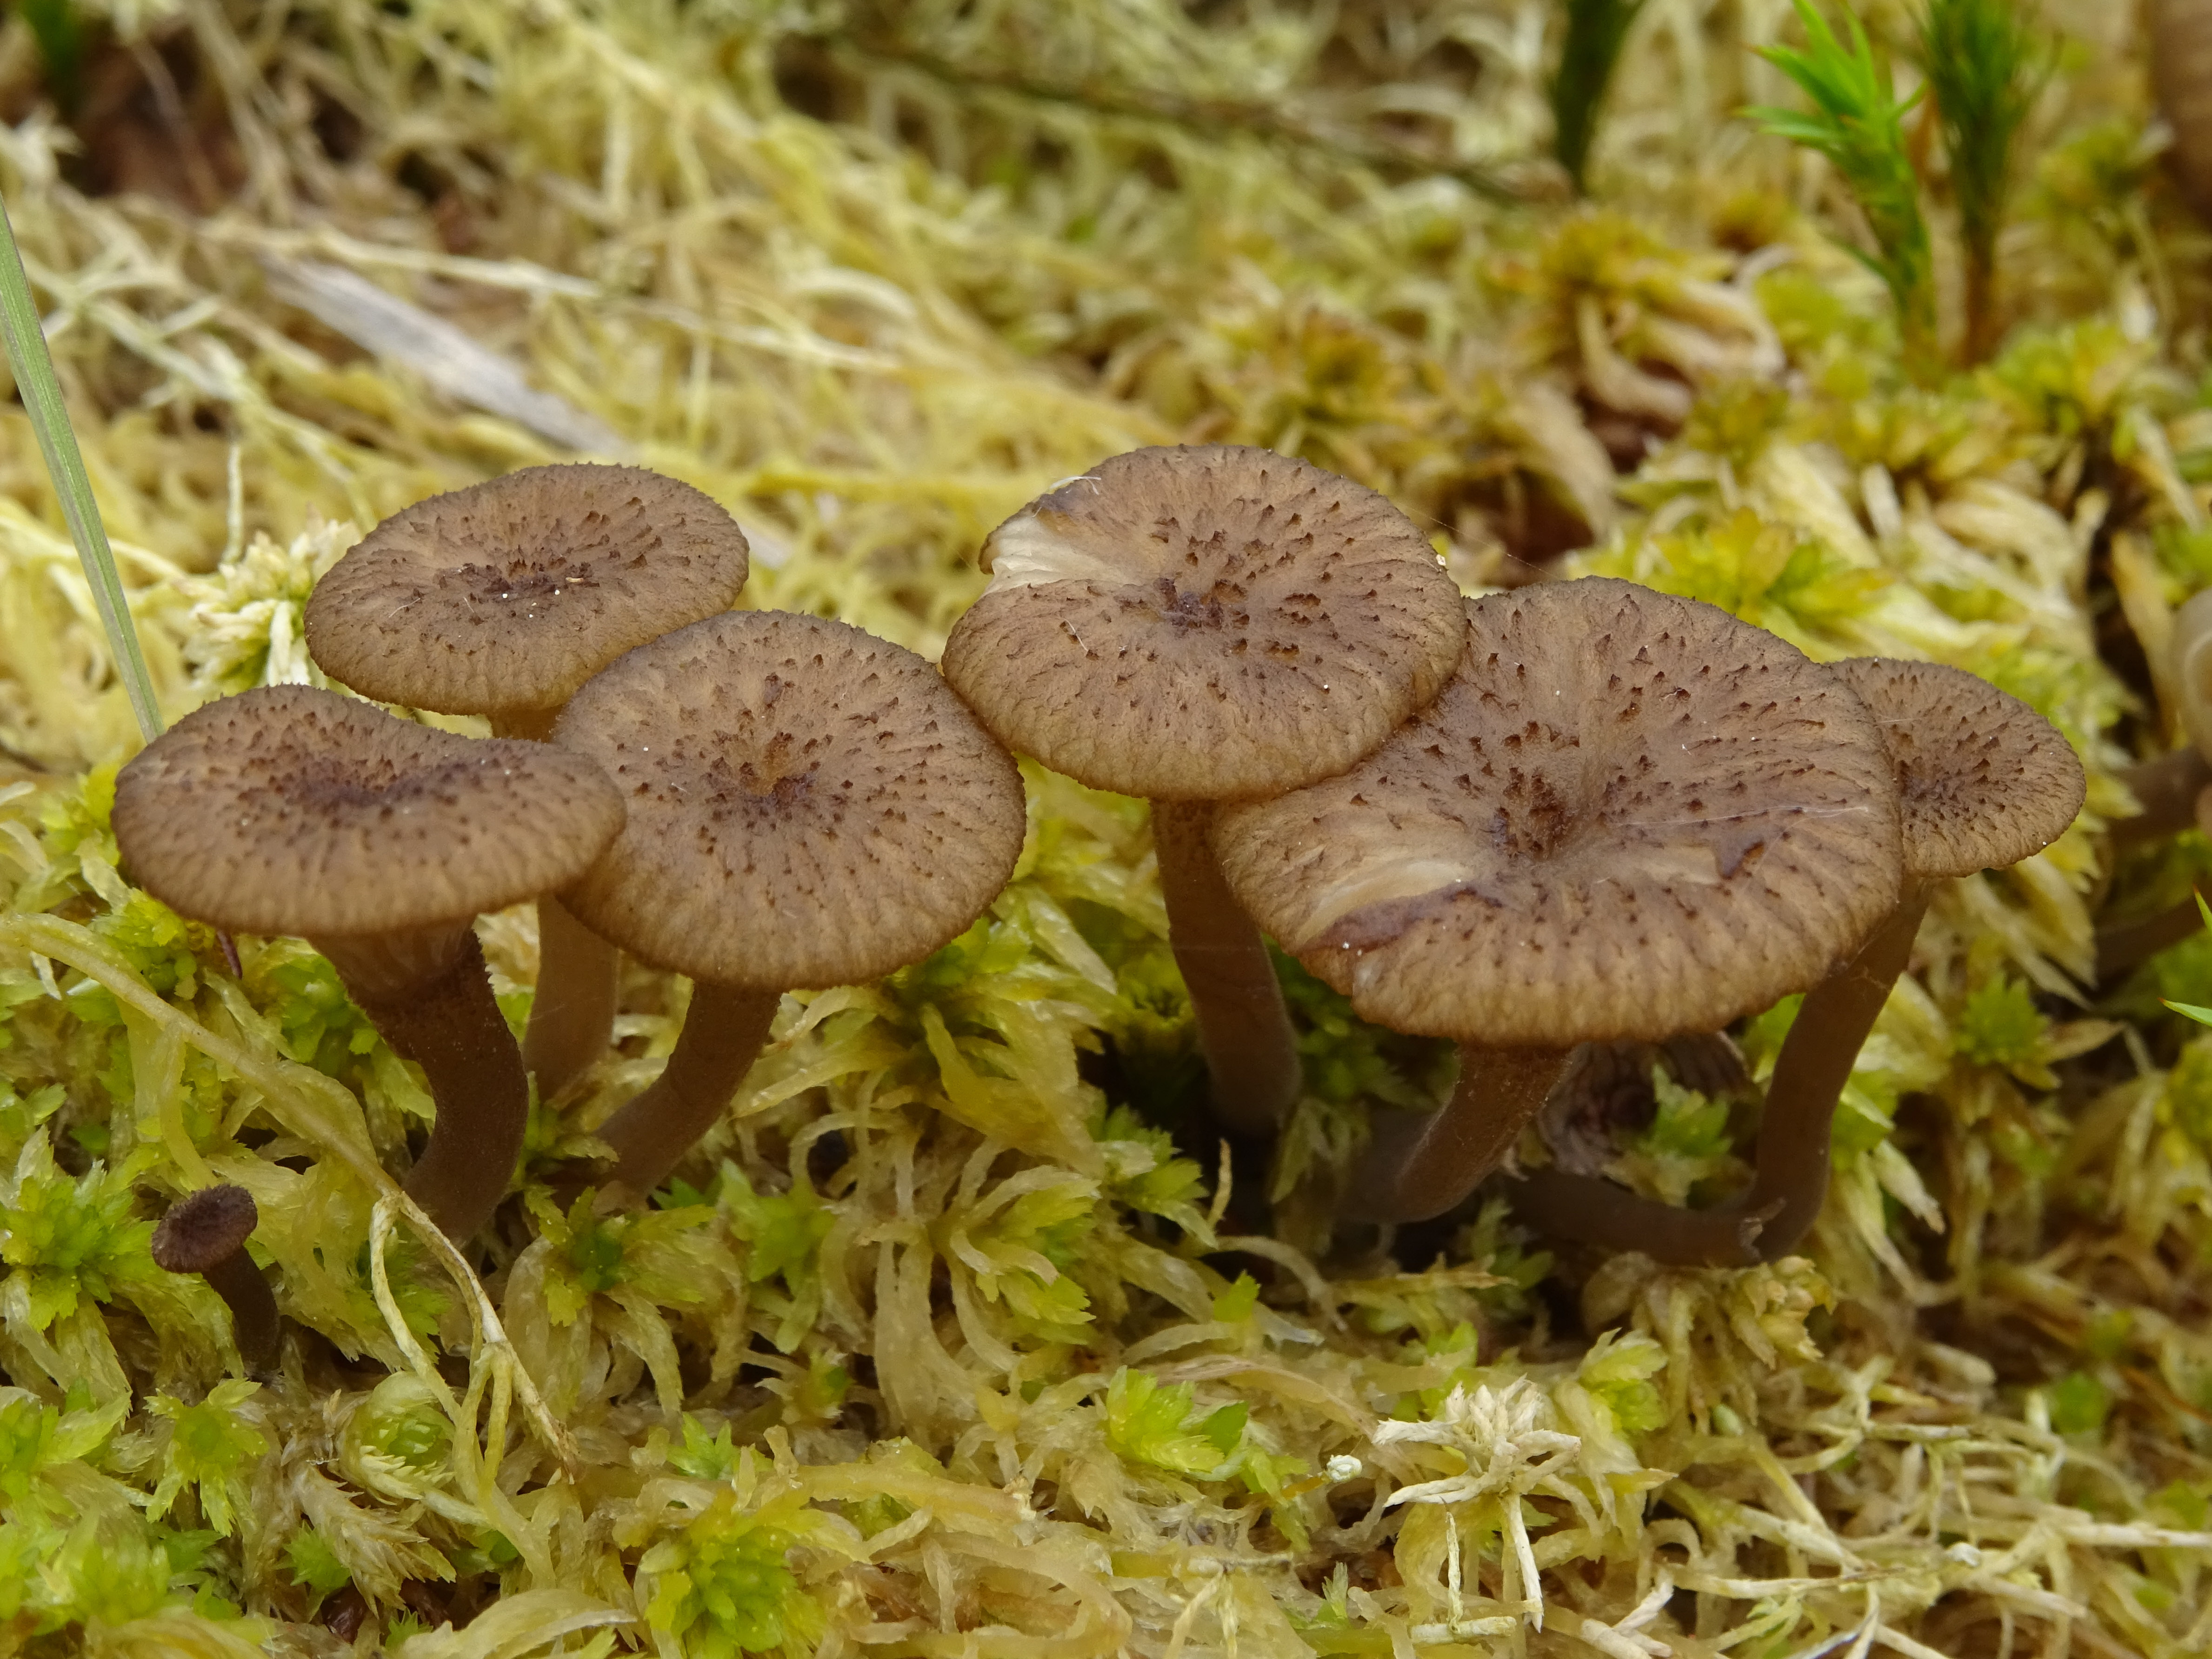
1627 815
808 806
1616 788
518 585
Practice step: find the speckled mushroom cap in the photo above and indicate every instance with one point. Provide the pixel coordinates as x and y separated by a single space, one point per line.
809 804
1982 780
204 1227
1209 623
289 809
1628 816
503 597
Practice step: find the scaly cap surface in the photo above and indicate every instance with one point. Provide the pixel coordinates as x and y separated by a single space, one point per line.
809 804
289 809
1628 816
503 597
1210 623
1983 780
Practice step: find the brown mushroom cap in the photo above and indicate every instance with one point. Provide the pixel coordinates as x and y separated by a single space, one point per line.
1628 816
809 804
1983 780
288 809
503 597
1210 623
203 1229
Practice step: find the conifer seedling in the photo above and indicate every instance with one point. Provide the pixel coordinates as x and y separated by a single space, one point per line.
1858 122
1985 63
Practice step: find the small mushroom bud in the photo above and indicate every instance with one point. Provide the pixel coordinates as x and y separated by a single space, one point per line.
204 1233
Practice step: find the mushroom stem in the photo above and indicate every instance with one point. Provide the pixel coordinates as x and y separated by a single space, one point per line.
441 1013
1810 1072
722 1033
254 1322
572 1019
1772 1218
1592 1211
2167 788
1419 1165
2125 945
1251 1053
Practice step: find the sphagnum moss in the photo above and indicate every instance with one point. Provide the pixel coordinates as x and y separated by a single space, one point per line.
873 283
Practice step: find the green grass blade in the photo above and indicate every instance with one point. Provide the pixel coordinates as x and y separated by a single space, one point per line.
42 399
1595 31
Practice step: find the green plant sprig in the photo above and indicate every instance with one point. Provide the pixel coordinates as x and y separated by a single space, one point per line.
1858 122
42 399
1595 31
1986 63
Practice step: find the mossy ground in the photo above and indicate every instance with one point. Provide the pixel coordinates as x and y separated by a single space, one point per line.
963 1338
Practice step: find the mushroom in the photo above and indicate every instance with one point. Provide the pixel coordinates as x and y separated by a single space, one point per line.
1201 625
501 599
1628 816
809 805
288 809
205 1232
1984 781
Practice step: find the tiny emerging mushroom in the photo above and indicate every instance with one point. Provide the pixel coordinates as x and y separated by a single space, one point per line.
1629 817
1984 782
205 1232
501 599
809 805
1207 625
289 809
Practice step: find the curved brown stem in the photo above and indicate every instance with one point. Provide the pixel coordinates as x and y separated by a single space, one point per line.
722 1034
2167 788
572 1017
1420 1164
1771 1218
253 1320
1592 1211
2125 945
1810 1072
1251 1053
450 1024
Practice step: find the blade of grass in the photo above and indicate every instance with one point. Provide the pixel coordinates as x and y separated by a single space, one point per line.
42 399
1588 56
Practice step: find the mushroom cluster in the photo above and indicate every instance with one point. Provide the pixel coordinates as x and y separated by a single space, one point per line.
724 790
1582 813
